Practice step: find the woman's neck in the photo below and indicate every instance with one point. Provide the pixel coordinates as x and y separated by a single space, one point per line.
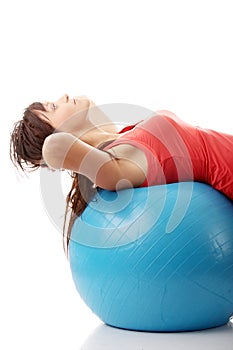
98 128
97 136
95 129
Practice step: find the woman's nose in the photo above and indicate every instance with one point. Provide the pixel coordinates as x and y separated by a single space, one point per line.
63 99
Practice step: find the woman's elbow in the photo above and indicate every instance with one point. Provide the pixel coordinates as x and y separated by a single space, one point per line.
55 149
49 153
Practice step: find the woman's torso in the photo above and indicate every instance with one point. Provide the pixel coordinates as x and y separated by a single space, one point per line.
176 151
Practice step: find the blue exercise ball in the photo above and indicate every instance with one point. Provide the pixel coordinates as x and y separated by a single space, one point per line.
156 259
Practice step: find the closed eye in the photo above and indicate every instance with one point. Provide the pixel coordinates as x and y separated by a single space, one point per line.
53 106
50 106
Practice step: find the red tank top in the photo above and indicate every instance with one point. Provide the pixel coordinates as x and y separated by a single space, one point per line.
177 151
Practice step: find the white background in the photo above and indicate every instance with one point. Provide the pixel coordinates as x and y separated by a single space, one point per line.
166 54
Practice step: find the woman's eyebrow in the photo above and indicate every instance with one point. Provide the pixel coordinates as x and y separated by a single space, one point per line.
45 104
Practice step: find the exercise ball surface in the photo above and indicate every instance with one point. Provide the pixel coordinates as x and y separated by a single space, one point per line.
156 259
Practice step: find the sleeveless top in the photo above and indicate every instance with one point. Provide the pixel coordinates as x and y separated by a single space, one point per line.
177 151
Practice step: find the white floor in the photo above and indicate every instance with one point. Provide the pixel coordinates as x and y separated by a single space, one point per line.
104 337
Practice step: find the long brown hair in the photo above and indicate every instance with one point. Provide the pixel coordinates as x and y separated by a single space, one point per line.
26 144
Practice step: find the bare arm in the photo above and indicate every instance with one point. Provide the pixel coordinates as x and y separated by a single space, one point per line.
63 150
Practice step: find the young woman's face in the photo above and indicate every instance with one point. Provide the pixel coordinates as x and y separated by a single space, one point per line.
64 108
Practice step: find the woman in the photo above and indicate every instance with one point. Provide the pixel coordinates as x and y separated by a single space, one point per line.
76 135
